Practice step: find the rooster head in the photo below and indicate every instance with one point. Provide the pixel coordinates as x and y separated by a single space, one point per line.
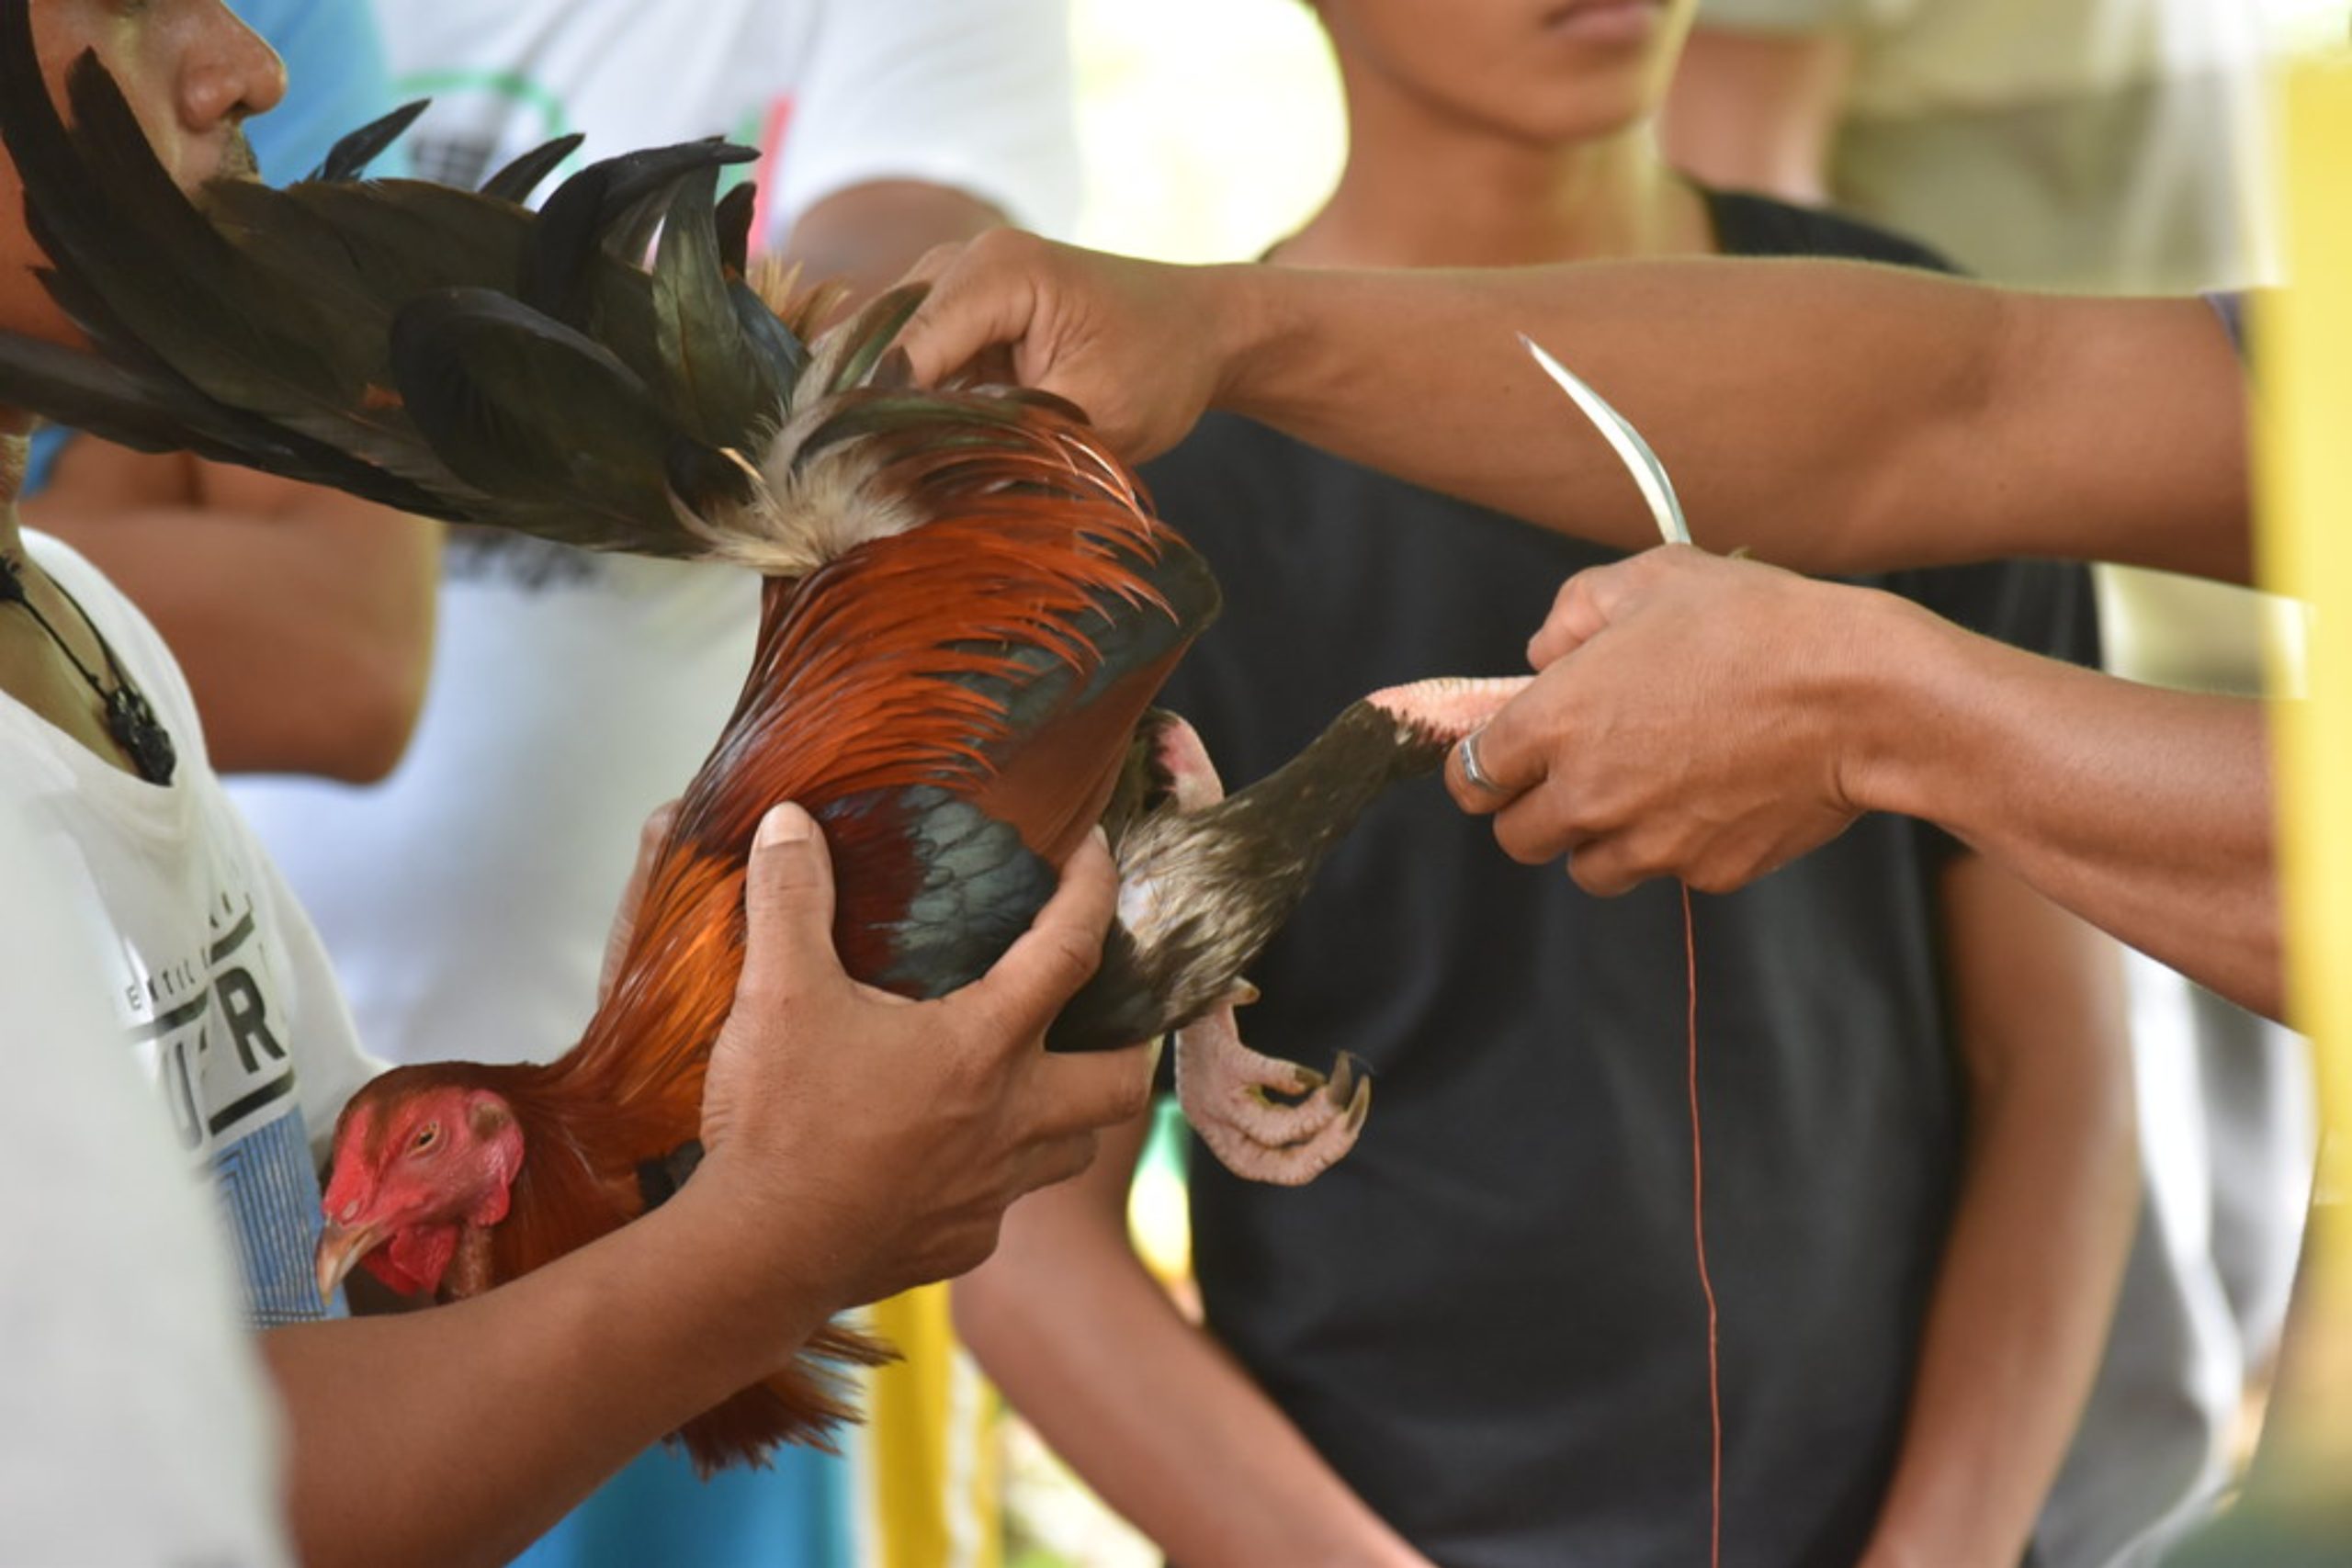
420 1159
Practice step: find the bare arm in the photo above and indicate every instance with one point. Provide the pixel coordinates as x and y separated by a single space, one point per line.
303 617
456 1434
2035 1258
1758 112
1713 719
1833 417
1156 1417
870 234
459 1434
2144 810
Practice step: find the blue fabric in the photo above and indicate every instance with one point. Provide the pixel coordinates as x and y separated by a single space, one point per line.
337 82
793 1516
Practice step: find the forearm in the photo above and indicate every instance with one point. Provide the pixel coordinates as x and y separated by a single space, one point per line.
306 641
869 234
2022 1304
2147 812
457 1436
2035 1260
1151 1413
1831 416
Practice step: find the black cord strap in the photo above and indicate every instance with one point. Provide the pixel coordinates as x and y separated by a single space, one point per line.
130 719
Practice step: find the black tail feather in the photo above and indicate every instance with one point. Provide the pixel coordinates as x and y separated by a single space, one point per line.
525 407
733 222
256 326
718 379
518 179
348 159
609 209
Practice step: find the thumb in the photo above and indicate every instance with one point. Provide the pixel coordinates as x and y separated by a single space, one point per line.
788 906
1578 616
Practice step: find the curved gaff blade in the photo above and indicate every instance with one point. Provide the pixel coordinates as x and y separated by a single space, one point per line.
1649 474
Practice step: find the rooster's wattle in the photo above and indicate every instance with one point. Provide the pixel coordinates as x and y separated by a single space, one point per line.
969 607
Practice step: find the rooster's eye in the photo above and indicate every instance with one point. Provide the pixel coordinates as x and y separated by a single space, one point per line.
427 1135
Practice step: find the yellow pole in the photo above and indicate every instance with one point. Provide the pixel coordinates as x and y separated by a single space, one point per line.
2303 470
2301 1500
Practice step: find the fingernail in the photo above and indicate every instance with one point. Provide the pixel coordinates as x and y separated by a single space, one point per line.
1102 838
785 824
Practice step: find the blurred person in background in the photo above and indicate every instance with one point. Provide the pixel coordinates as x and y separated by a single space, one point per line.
302 616
1478 1340
464 899
2102 146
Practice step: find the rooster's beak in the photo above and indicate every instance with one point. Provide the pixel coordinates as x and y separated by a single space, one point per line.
340 1250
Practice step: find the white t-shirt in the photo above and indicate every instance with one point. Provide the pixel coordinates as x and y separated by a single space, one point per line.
215 982
467 898
135 1428
977 95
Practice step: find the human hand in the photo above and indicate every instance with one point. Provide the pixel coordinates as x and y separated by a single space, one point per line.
1693 715
881 1140
1141 346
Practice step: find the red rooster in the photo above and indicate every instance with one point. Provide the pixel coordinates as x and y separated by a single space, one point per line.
969 611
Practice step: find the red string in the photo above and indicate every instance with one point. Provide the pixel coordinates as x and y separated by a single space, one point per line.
1698 1236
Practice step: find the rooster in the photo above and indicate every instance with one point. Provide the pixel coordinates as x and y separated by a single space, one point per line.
968 607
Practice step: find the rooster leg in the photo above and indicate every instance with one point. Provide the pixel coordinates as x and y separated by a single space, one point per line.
1265 1119
1226 1090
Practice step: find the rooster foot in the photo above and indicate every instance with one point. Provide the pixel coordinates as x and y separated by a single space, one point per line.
1445 709
1228 1092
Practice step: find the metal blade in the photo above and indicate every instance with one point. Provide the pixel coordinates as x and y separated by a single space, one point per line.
1649 474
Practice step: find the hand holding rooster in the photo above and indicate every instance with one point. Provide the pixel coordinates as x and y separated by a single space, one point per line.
857 1144
951 1107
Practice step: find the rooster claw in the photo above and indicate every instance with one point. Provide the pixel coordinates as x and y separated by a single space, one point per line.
1228 1094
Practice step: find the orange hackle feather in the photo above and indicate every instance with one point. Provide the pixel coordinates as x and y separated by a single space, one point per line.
860 684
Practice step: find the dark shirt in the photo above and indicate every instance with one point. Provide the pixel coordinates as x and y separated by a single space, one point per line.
1487 1316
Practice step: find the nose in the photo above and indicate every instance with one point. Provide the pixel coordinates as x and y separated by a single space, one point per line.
230 75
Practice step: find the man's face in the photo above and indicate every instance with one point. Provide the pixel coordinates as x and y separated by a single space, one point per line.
191 71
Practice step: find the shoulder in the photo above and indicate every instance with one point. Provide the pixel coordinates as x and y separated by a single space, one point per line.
1750 225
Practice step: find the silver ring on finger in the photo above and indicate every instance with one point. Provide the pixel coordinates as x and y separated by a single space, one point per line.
1471 769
